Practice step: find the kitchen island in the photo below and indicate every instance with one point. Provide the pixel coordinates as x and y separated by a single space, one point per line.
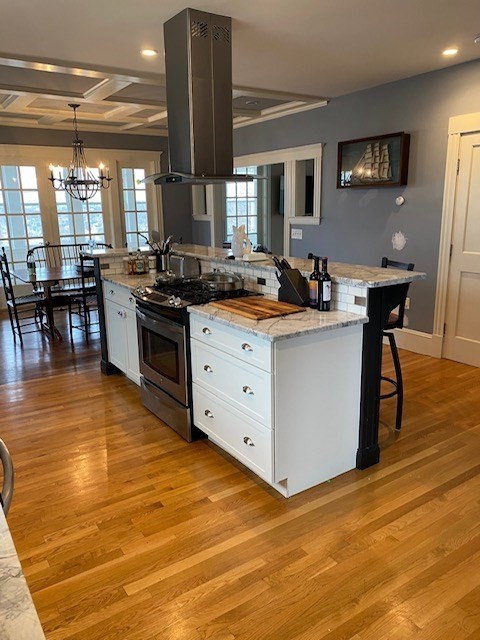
361 289
358 289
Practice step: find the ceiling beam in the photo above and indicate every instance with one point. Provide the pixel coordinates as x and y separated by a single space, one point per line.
161 115
33 124
16 103
118 113
238 92
79 69
104 89
53 119
54 94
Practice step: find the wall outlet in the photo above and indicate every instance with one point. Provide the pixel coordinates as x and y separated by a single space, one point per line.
296 234
407 303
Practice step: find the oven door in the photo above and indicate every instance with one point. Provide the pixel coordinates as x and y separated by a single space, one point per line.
162 349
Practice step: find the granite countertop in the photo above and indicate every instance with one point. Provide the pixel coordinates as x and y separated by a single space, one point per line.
131 282
18 616
340 272
290 326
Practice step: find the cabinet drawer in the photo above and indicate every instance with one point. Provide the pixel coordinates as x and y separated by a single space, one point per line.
241 385
246 441
240 344
119 294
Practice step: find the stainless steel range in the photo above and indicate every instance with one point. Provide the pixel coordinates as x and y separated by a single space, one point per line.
164 345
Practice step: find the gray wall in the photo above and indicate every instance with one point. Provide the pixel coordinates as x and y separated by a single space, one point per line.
52 138
357 225
201 233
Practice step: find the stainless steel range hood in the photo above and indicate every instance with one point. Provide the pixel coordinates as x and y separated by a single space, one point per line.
198 67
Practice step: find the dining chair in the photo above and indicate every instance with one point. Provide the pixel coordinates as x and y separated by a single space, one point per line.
6 494
84 303
23 311
395 321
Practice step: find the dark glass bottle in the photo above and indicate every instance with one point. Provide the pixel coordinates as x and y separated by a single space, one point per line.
313 283
324 288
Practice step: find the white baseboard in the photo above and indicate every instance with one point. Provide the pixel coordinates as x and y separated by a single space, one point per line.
425 343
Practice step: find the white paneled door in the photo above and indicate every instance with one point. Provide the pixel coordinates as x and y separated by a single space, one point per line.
462 331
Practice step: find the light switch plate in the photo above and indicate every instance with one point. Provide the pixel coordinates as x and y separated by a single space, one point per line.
296 234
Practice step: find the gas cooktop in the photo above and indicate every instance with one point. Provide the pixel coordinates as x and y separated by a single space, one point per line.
180 294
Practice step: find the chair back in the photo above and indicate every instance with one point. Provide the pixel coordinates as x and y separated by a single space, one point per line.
6 278
395 321
6 494
57 255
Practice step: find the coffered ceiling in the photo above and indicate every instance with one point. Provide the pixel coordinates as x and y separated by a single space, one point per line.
286 56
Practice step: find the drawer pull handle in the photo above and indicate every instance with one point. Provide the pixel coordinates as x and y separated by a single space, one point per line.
130 299
248 391
111 292
246 347
206 331
208 413
208 368
248 441
122 314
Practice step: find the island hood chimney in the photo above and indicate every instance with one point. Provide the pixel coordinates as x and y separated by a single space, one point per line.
198 67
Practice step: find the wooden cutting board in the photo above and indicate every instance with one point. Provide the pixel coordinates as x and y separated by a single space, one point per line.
257 307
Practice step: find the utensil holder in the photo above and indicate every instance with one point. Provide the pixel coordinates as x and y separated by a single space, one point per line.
163 262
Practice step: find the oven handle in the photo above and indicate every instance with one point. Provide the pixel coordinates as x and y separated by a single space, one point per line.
161 324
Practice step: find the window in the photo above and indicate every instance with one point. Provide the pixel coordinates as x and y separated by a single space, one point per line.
78 221
243 205
20 217
134 205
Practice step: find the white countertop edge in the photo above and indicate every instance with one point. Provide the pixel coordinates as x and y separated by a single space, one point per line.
18 616
282 327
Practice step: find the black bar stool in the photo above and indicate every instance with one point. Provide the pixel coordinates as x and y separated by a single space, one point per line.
395 321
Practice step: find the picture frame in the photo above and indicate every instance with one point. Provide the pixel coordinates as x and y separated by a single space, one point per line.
374 162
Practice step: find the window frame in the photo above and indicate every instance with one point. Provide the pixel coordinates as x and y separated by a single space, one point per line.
259 197
22 214
289 158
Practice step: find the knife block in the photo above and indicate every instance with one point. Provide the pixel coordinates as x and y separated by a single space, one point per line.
293 288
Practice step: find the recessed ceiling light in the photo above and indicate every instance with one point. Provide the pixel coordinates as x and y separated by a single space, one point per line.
149 53
251 102
476 38
450 52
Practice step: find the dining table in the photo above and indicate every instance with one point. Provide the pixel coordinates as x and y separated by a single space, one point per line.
48 277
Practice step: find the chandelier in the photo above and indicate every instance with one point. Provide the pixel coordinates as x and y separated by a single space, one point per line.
80 182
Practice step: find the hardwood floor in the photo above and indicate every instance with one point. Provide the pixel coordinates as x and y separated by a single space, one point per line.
127 532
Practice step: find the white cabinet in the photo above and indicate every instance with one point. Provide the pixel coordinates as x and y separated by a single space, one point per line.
121 323
288 410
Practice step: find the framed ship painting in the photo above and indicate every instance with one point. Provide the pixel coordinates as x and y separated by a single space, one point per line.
381 161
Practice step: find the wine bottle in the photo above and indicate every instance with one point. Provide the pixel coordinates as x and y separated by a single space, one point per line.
324 288
313 283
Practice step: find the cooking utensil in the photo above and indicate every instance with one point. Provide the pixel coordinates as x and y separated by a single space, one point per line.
222 281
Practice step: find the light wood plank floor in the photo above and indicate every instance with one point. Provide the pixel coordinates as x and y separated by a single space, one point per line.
127 532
